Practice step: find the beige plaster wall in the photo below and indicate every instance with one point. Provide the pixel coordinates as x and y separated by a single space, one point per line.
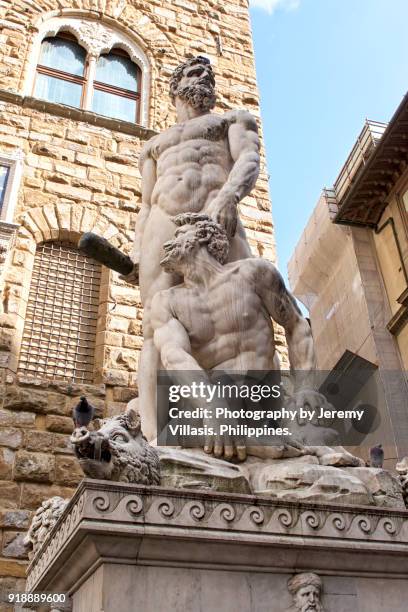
324 275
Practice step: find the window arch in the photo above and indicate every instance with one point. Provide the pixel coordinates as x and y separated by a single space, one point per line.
116 87
88 65
61 73
61 318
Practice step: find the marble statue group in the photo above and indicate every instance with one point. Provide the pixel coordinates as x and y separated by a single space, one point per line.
210 306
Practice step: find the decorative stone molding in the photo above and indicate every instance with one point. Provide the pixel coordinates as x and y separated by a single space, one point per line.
96 38
8 232
135 511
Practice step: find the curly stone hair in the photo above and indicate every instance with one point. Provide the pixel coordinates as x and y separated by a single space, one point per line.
298 581
179 71
208 232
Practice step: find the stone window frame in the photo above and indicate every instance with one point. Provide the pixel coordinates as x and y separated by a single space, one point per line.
96 38
14 161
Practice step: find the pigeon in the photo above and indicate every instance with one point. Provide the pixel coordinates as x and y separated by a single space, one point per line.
376 456
83 413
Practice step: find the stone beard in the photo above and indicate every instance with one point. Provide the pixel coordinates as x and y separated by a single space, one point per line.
302 603
199 96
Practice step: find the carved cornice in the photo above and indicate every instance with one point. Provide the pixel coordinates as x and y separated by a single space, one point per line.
151 511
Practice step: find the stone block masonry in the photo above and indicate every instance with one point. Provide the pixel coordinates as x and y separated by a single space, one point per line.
80 173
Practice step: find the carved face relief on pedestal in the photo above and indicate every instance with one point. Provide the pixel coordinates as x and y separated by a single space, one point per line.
402 469
306 591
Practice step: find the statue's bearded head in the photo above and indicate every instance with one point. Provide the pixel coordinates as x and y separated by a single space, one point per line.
194 231
194 82
305 590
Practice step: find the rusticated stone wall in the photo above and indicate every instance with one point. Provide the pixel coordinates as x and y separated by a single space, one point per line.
80 174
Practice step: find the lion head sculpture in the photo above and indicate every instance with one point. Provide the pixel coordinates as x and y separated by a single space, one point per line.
117 450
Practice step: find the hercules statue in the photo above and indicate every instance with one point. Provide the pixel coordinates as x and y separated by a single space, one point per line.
205 163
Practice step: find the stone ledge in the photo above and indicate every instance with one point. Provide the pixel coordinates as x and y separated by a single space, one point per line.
133 524
77 114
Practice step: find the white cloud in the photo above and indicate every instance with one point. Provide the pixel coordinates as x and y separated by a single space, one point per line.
271 5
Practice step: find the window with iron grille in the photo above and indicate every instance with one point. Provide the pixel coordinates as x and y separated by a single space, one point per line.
60 327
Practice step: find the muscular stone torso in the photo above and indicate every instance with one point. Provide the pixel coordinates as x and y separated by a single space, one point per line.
227 323
193 163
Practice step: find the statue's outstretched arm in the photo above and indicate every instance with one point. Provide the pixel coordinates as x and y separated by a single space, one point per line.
243 143
282 307
170 337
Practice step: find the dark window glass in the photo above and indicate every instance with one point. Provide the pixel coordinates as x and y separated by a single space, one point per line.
4 175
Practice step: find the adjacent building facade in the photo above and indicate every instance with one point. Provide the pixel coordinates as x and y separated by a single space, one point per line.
349 269
83 85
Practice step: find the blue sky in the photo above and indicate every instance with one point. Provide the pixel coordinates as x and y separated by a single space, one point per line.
323 66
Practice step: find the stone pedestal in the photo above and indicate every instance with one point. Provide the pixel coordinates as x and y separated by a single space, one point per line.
119 548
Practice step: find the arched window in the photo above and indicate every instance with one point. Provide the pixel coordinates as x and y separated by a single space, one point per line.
61 71
60 327
116 86
108 84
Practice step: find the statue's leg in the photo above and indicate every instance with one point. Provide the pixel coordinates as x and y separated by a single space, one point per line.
150 363
147 373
